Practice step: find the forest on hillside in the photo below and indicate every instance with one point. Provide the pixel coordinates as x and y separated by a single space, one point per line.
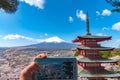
108 54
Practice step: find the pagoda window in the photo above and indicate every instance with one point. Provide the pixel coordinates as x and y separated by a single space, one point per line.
83 42
82 64
81 52
84 52
91 53
91 43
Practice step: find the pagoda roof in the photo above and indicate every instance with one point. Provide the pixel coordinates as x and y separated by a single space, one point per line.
97 73
95 59
94 48
92 37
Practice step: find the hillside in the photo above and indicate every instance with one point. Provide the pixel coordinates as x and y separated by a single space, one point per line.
53 45
13 60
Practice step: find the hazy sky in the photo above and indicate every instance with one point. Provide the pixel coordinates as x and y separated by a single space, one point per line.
58 20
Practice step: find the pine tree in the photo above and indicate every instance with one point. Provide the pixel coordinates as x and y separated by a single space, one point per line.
114 3
9 6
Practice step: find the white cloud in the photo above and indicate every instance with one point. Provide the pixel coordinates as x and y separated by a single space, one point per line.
118 40
46 34
70 19
17 36
106 12
36 3
105 28
0 36
81 15
116 26
98 13
100 34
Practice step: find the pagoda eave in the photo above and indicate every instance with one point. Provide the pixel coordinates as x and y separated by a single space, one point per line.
97 38
95 60
97 74
96 48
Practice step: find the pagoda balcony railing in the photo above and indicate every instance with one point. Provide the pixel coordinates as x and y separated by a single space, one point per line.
85 66
91 45
93 67
90 55
97 79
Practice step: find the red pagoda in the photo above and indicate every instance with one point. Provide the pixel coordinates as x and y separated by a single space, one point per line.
89 61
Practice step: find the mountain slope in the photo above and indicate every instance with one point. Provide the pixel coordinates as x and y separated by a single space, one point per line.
53 45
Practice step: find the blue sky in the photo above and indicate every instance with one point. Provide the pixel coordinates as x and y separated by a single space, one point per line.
57 20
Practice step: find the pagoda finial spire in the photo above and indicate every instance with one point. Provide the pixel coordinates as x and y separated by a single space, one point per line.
87 25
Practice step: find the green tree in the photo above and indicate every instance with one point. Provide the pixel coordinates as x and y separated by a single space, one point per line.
76 53
9 6
105 54
116 52
115 4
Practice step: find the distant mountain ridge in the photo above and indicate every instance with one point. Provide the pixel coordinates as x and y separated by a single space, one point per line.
53 45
